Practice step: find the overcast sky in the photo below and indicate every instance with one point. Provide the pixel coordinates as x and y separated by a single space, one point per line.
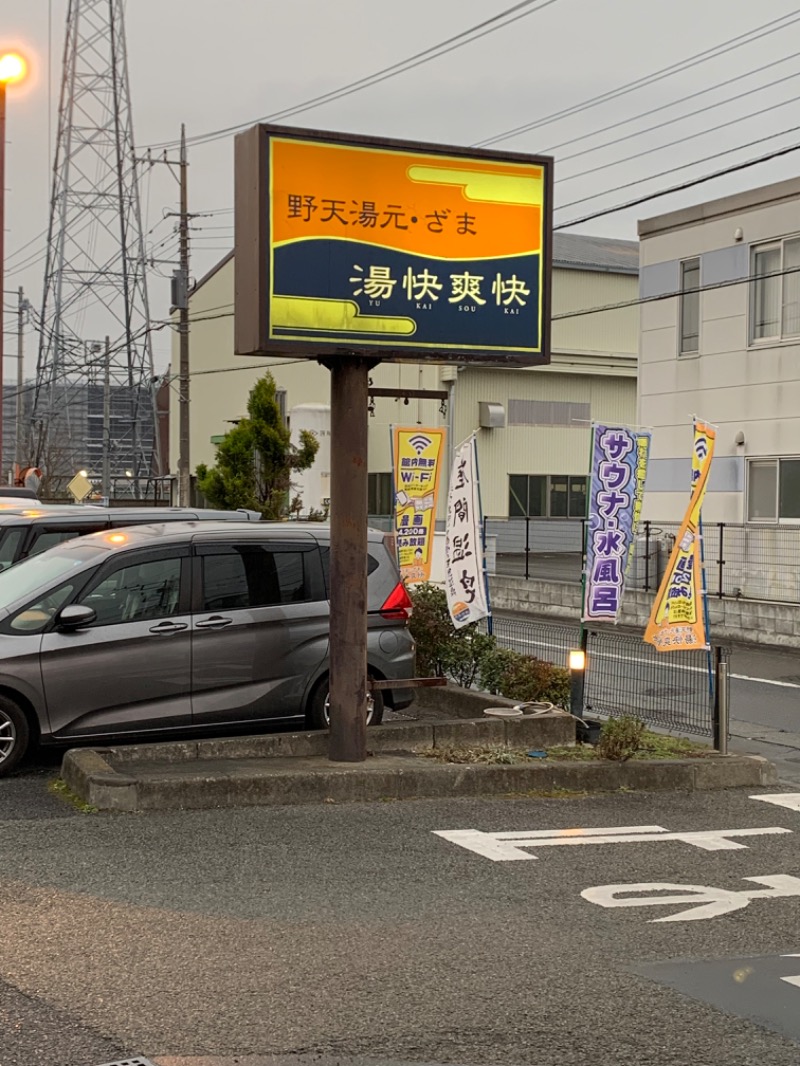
214 64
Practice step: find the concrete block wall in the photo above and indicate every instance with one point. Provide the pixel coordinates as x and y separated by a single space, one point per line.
751 621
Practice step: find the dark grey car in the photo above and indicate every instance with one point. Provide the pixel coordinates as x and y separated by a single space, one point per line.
181 627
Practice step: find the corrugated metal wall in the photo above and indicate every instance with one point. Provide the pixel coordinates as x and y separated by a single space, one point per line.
607 331
535 449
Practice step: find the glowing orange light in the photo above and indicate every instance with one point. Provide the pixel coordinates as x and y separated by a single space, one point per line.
13 68
116 538
33 514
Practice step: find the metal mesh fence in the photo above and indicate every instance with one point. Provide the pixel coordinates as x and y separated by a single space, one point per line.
623 674
552 643
626 676
753 562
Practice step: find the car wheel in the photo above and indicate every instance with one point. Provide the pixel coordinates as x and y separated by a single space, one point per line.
319 704
14 735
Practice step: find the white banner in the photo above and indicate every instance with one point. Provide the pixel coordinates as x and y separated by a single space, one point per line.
465 581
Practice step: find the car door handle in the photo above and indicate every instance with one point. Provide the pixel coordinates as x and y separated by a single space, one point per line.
217 622
169 627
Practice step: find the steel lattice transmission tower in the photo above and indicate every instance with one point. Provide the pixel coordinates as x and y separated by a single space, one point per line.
89 404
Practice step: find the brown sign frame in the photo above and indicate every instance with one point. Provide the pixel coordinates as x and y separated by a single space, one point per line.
252 258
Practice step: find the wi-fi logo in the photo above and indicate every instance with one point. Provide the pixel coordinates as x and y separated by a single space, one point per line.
420 443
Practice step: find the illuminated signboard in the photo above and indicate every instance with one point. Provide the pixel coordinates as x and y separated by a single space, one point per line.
402 251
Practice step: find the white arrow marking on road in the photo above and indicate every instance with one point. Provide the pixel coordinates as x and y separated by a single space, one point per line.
507 847
714 901
782 799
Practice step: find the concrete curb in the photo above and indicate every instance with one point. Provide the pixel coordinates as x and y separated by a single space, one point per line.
540 731
291 781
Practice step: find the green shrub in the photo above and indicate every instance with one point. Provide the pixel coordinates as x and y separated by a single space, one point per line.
443 650
431 628
468 655
493 668
529 679
465 651
621 738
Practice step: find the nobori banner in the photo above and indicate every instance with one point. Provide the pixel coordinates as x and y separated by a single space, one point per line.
392 249
417 458
618 472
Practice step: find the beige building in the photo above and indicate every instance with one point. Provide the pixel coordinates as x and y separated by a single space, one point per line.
533 425
727 350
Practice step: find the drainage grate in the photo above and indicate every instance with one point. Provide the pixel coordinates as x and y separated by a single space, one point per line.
139 1061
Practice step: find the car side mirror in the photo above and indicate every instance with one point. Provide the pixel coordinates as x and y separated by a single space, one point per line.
75 617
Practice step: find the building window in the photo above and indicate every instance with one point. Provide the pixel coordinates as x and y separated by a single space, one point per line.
380 494
773 490
690 306
775 290
546 496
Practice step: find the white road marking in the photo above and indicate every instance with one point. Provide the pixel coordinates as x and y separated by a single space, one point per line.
712 901
790 800
507 847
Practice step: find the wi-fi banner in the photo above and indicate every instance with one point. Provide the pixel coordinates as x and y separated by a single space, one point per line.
417 455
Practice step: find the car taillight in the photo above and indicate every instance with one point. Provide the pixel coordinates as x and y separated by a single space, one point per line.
398 604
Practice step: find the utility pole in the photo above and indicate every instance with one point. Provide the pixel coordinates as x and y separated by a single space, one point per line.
22 307
107 421
182 303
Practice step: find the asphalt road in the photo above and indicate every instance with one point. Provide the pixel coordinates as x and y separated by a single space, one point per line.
355 933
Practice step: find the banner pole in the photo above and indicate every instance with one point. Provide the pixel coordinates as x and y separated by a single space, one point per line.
489 620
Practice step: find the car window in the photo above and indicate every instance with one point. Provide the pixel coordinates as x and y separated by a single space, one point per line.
138 593
9 545
248 576
23 580
51 538
36 616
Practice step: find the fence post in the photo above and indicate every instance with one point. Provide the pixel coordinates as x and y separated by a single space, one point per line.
720 560
527 546
722 710
647 555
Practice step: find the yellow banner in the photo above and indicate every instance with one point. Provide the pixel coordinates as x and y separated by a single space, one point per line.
418 456
677 621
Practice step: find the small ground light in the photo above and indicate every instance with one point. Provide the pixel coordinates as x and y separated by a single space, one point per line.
577 659
577 677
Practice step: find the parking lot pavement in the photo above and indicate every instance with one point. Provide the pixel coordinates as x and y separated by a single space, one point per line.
382 931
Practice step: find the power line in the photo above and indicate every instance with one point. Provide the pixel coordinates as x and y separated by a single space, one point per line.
500 21
688 184
688 137
666 107
679 188
649 79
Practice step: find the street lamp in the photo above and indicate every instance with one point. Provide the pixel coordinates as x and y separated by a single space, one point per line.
13 69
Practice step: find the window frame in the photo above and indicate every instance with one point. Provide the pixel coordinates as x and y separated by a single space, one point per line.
312 571
548 490
763 460
780 337
378 487
682 302
139 558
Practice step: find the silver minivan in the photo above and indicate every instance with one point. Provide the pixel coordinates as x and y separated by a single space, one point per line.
180 627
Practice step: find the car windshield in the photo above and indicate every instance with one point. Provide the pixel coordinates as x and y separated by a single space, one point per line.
42 570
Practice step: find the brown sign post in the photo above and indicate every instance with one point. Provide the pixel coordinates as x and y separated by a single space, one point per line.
352 251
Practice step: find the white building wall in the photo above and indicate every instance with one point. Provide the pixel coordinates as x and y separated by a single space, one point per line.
742 387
